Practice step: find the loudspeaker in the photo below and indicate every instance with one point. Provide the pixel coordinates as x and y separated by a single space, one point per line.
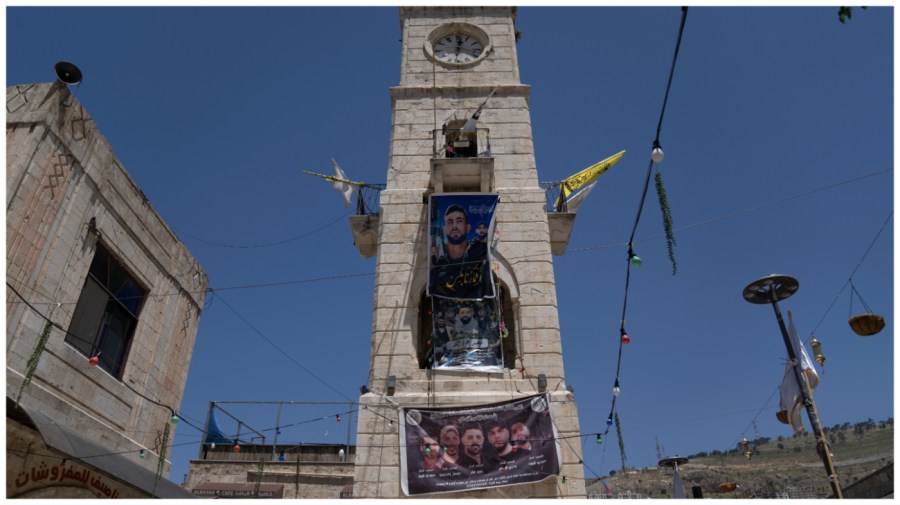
67 72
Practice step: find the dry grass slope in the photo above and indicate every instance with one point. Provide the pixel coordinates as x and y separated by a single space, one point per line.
786 467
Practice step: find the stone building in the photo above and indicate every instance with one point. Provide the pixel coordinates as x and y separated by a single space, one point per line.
103 303
287 471
448 140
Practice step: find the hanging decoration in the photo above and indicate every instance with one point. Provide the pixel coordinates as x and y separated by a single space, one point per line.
745 448
667 219
866 324
621 441
259 475
160 465
31 367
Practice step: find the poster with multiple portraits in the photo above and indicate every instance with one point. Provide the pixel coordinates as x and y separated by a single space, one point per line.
459 449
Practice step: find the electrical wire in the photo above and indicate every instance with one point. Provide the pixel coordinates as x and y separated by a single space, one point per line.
279 349
267 244
637 219
521 257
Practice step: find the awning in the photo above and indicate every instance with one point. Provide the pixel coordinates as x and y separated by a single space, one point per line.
119 466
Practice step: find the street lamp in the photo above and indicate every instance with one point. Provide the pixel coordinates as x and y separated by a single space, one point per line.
772 289
673 462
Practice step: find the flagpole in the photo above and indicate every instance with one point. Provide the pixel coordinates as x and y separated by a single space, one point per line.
770 289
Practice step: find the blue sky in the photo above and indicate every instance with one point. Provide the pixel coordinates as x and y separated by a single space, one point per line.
779 159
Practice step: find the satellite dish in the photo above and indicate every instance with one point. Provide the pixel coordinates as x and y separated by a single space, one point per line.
67 72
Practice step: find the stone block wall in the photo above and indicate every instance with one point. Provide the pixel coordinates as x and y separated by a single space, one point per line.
61 176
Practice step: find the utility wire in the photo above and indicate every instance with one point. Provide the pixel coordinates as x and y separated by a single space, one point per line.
568 251
268 244
279 349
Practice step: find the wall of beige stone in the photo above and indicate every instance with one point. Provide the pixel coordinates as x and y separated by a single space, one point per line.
61 173
314 480
427 95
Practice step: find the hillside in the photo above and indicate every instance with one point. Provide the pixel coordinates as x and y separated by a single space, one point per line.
786 467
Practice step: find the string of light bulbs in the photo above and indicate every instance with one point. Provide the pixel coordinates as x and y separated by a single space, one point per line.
656 157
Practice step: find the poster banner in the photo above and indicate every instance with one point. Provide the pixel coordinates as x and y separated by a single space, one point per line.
460 228
460 449
467 335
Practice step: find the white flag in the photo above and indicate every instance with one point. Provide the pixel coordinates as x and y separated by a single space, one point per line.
791 404
470 124
577 197
345 189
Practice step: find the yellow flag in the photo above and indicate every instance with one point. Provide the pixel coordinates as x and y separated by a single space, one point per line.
571 183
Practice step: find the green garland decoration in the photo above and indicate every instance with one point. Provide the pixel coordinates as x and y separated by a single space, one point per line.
34 359
621 441
259 475
162 458
667 219
297 478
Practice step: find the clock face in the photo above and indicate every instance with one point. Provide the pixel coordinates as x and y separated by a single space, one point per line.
458 48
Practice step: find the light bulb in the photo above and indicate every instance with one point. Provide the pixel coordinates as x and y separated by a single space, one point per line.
616 390
212 446
625 338
599 439
142 454
636 260
174 419
236 448
657 155
338 418
609 421
94 360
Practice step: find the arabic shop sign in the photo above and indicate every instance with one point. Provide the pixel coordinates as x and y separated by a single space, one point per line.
66 474
233 490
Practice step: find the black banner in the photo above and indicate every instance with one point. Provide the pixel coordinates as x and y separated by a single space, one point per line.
459 449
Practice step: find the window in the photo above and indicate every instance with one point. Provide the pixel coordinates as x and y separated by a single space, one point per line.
107 313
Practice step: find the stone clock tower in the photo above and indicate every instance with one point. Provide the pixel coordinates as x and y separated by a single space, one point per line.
453 59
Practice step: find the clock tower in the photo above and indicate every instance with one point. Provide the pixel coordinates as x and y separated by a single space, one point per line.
461 134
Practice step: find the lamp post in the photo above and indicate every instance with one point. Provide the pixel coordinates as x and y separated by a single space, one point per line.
771 289
673 462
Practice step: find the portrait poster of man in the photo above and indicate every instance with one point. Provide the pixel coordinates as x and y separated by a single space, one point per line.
460 449
461 225
467 334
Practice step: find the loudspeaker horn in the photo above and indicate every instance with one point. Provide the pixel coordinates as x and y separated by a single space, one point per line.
67 72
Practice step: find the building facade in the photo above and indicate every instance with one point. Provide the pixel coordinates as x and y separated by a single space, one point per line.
284 471
461 127
103 303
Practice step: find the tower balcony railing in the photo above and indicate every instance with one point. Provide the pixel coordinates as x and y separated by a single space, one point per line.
456 143
462 160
